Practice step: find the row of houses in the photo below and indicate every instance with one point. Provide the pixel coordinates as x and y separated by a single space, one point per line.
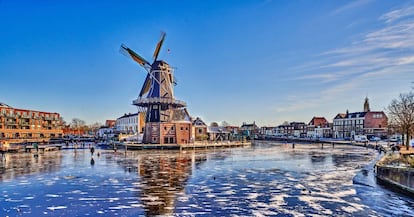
344 125
133 124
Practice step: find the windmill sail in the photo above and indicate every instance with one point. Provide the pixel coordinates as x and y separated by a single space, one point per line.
158 48
134 56
145 88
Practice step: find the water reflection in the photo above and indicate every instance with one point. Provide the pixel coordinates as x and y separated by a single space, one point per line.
317 157
162 176
18 164
264 180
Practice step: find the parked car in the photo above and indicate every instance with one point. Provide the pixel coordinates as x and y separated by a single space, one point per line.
360 138
375 139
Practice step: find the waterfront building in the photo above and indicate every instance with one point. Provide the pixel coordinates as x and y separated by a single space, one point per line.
299 129
319 127
284 130
105 132
69 130
130 123
218 133
268 131
370 123
199 130
234 130
19 125
249 129
110 123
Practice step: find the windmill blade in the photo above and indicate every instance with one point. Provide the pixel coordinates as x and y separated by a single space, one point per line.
158 48
146 86
128 52
174 81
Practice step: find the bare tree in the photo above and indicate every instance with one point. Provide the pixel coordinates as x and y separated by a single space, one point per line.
95 127
225 124
401 115
77 124
214 124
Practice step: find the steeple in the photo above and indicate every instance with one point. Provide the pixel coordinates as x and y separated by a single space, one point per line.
366 105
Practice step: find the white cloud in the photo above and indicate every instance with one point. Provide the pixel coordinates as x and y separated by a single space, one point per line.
350 6
388 46
372 60
398 14
406 60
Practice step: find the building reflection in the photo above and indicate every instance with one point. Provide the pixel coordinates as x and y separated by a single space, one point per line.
317 157
162 177
19 164
341 159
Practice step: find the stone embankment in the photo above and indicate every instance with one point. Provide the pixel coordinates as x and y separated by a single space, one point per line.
393 172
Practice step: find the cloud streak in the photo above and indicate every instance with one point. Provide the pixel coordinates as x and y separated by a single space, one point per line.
377 55
350 6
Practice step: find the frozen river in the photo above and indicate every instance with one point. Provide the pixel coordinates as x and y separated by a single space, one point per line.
268 179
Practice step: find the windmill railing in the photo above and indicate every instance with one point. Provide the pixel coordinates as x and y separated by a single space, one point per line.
159 100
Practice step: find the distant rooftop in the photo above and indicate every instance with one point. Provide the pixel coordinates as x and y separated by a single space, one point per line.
4 105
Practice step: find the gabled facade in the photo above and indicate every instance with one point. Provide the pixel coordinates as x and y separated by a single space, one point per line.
319 122
371 123
249 129
319 127
199 130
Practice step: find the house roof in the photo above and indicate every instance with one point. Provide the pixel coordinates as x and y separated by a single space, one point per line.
199 122
128 115
4 105
297 123
217 130
318 121
350 115
249 125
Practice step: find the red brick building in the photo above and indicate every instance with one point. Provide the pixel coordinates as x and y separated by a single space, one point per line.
18 125
110 123
319 127
319 122
370 123
168 133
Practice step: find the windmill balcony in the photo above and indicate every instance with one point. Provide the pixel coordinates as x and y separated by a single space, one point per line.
163 101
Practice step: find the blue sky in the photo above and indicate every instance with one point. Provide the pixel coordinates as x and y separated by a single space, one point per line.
238 61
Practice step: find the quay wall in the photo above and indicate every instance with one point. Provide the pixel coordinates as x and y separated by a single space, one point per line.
399 178
313 141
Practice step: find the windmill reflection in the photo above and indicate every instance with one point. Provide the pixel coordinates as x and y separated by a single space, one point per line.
162 177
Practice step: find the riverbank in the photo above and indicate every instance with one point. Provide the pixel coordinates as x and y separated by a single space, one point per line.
395 171
196 145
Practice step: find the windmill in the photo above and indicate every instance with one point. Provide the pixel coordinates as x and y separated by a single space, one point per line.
156 98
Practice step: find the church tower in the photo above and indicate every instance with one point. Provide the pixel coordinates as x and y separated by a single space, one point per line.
366 105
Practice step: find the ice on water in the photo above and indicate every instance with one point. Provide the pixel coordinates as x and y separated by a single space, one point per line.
265 180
